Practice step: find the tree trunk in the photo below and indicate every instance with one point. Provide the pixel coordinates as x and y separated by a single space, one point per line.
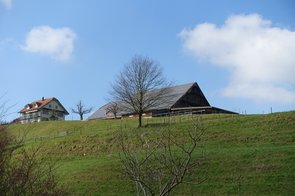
139 119
81 116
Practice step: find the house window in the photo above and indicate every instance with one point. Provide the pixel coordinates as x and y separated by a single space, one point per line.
45 112
56 107
49 105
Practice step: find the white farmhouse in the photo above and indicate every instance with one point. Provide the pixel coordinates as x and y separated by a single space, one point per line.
48 109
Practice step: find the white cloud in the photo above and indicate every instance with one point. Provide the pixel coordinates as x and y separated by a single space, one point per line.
57 43
259 56
6 3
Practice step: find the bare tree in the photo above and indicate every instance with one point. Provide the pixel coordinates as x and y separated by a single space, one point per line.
81 109
113 108
140 86
163 161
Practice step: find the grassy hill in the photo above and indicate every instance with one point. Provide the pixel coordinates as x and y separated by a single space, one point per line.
244 154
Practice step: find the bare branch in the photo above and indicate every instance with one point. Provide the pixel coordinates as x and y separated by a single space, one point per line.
113 108
163 161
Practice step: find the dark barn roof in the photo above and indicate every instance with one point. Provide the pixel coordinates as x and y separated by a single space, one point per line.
181 97
175 93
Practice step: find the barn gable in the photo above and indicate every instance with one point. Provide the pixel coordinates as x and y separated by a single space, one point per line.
193 97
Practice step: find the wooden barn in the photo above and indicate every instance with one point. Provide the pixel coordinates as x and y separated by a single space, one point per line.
181 99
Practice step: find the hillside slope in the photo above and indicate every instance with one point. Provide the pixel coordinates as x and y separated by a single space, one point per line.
244 154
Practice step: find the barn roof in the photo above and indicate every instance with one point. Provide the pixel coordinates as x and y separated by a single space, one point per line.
101 112
174 94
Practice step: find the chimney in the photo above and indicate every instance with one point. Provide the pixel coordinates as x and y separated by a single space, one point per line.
43 99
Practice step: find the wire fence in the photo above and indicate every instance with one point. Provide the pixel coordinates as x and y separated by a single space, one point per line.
125 123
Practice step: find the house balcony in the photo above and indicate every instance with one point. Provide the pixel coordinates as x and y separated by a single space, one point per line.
30 116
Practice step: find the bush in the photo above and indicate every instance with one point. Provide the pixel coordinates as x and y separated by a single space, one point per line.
22 172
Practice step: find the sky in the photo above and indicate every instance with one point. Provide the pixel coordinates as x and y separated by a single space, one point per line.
241 53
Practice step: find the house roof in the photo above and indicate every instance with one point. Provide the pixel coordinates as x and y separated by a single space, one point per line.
174 94
36 105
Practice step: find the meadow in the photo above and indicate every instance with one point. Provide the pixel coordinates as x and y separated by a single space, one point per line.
243 154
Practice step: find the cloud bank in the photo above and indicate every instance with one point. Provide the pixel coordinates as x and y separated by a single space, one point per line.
6 3
259 56
57 43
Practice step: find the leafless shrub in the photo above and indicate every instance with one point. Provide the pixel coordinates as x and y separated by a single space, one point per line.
22 171
164 160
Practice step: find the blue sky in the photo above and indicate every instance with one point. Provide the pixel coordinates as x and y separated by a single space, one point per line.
240 52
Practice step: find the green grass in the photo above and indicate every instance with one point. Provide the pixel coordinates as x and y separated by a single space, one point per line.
252 154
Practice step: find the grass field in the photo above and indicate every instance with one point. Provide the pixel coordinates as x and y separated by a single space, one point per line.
244 154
